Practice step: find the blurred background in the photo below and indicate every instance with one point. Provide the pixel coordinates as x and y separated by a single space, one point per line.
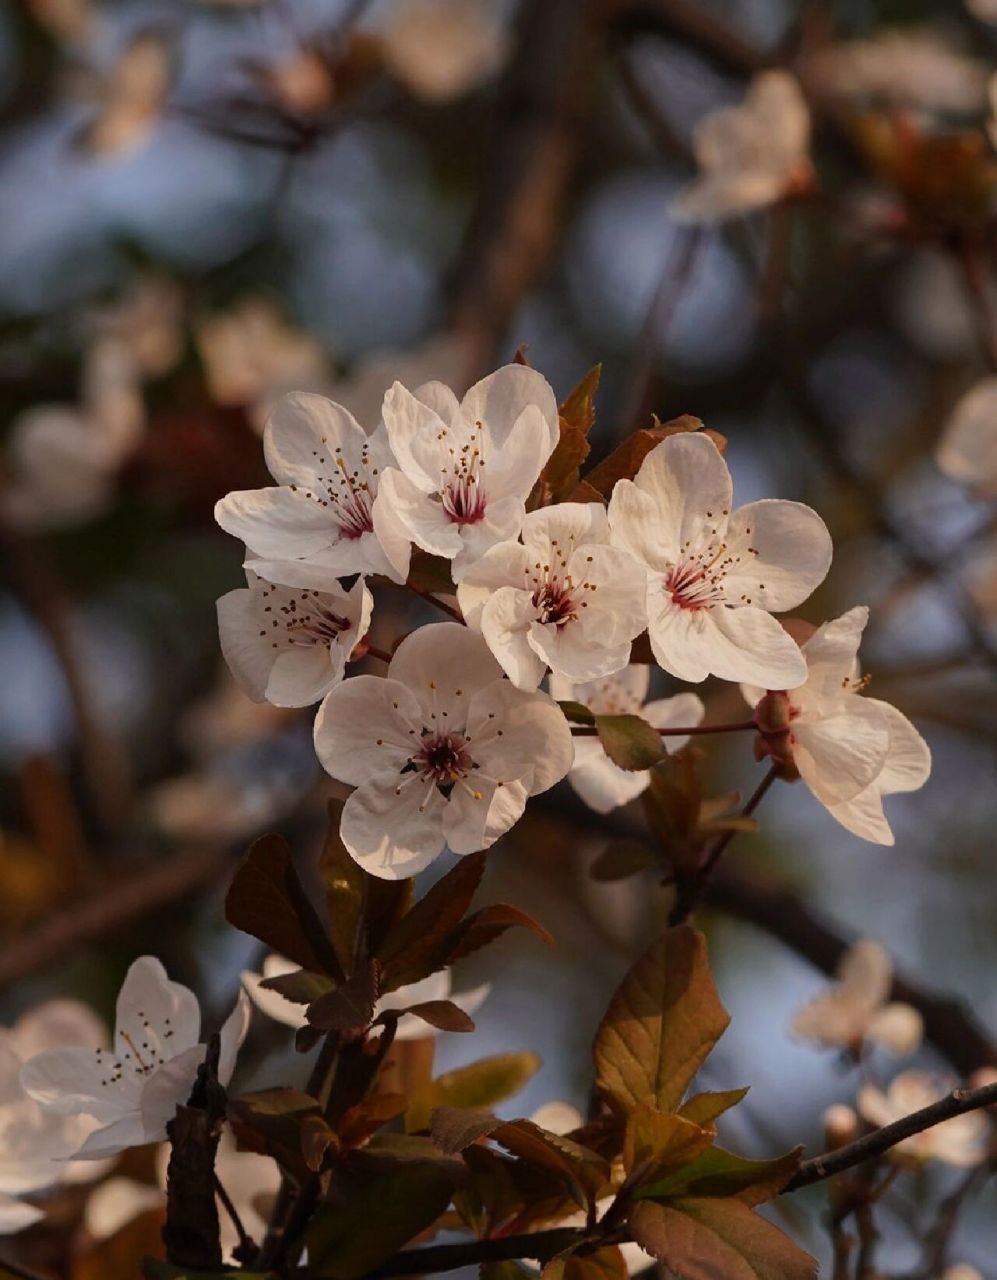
204 205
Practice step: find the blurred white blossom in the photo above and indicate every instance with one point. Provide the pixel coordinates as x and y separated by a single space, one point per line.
750 155
856 1010
960 1141
441 49
909 67
967 450
35 1144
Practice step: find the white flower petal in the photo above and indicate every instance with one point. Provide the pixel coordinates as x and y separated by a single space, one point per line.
272 1003
603 785
831 653
484 809
391 835
300 677
15 1215
444 664
74 1081
154 1016
691 486
167 1088
863 816
511 730
422 517
501 565
793 554
908 760
500 400
506 622
367 725
515 466
840 754
233 1032
416 433
249 660
278 523
304 436
866 972
112 1139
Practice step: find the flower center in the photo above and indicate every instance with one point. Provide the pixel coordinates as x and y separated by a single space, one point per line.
301 618
443 759
554 603
464 500
697 581
349 497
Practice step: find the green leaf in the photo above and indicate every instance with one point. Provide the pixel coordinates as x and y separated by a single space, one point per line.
375 1213
661 1024
300 987
351 1006
621 858
630 742
413 949
704 1108
486 1083
703 1239
267 900
345 891
720 1173
576 713
655 1143
602 1264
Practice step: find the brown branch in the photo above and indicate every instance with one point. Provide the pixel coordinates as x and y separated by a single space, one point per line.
784 915
738 726
877 1143
111 907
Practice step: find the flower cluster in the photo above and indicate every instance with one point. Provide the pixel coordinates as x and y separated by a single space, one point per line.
445 749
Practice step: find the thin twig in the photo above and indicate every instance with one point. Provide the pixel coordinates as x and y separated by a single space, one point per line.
937 1242
738 726
440 604
691 889
247 1245
874 1144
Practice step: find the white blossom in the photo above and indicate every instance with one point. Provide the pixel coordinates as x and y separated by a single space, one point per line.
600 783
440 49
712 573
465 469
750 155
967 450
326 505
442 357
908 67
561 598
252 356
856 1010
443 751
287 641
133 1089
34 1144
961 1141
410 1027
850 750
64 459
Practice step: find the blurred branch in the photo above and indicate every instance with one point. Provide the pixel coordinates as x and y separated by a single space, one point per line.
874 1144
540 123
784 915
690 23
110 908
37 585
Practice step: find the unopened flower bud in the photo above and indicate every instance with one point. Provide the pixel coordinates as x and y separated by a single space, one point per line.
841 1126
773 716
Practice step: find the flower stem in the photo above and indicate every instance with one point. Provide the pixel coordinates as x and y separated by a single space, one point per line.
247 1245
381 654
440 604
690 890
